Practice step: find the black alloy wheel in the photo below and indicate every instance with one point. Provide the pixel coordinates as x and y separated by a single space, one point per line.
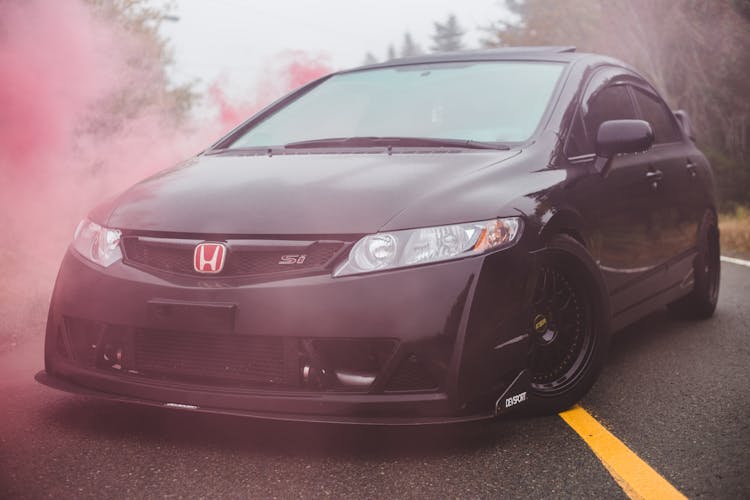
569 326
562 331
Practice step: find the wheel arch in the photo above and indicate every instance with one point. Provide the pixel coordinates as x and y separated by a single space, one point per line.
709 227
564 222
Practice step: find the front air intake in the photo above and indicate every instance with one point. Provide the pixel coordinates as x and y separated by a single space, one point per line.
411 375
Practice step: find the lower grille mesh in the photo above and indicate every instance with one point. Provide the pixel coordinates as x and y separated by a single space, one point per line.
201 357
238 360
411 375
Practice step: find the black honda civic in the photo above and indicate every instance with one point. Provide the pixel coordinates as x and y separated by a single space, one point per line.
436 239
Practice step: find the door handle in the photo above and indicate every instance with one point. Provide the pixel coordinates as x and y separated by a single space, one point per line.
692 169
654 175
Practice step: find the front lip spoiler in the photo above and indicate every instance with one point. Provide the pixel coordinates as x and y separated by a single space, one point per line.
61 384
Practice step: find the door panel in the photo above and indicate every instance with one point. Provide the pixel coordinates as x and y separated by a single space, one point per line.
678 213
619 208
624 235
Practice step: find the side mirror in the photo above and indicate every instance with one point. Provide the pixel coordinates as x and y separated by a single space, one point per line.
621 136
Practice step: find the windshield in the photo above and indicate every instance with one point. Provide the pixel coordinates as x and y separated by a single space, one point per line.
475 101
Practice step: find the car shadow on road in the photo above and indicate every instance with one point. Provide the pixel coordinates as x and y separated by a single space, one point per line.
650 332
649 361
115 421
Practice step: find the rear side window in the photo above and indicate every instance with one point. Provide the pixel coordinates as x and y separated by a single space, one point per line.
654 111
610 103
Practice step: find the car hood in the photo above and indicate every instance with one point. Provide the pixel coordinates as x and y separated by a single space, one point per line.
332 194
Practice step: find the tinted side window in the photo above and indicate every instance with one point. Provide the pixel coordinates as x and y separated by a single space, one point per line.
659 116
610 103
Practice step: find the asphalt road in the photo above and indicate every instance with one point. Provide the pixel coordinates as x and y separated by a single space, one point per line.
675 392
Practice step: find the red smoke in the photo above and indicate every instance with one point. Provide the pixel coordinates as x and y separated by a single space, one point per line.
302 69
63 148
44 86
289 70
230 114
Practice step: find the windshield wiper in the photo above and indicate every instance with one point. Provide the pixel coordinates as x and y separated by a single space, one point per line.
396 141
243 150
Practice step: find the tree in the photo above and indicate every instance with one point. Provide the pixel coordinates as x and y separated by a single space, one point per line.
146 85
696 52
447 36
409 48
743 7
369 59
391 53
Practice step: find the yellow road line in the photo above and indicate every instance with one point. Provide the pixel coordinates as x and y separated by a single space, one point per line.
634 476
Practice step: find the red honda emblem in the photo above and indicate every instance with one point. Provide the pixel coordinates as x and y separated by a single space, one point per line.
209 257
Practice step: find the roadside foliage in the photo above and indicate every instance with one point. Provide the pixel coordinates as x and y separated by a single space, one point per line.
696 52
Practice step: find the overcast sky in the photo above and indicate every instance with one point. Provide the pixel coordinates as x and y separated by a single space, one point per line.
235 39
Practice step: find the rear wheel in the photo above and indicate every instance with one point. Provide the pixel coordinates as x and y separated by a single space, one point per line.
701 302
569 327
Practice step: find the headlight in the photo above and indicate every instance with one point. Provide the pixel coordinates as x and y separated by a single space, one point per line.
376 252
98 244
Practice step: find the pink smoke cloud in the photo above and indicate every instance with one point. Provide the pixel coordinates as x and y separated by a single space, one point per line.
44 86
289 70
64 146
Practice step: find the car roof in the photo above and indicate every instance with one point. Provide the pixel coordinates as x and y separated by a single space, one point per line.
537 53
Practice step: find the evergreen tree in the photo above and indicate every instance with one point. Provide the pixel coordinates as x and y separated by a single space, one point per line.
409 47
391 53
369 59
448 36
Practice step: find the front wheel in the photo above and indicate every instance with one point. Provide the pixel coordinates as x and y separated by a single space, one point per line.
569 327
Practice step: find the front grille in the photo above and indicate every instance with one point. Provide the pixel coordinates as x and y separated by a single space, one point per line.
176 256
235 360
203 358
84 338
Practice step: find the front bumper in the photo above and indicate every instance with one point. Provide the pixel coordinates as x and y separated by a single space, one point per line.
464 321
363 410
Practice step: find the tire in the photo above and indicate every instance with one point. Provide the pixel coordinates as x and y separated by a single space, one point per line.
570 327
700 303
